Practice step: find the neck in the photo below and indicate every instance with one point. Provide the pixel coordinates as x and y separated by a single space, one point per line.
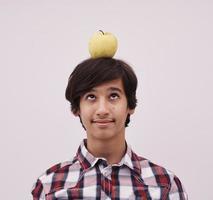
112 150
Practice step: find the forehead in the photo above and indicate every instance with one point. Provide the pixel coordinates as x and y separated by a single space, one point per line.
115 85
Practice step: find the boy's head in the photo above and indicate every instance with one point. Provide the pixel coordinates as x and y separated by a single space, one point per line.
94 72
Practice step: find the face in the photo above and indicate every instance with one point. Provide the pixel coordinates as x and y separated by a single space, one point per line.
104 110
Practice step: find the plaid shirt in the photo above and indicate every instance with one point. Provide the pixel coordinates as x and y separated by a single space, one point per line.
88 177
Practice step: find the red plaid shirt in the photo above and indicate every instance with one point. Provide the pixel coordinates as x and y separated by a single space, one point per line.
88 177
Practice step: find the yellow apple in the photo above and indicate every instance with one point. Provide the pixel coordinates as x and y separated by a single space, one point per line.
102 45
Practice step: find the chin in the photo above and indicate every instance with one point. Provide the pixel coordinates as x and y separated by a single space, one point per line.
103 135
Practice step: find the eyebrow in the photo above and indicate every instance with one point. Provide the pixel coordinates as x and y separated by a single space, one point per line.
109 89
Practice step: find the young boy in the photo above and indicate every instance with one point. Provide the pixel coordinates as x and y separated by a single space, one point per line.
102 93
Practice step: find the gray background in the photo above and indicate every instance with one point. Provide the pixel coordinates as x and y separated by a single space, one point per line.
169 44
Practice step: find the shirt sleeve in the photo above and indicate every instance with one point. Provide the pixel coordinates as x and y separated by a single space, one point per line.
177 191
38 191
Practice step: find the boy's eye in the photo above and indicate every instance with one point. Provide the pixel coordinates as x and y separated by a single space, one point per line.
114 96
90 97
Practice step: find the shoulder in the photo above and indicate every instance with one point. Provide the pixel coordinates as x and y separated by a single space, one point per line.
59 168
158 176
55 176
153 173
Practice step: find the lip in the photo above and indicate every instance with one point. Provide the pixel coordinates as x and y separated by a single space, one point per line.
103 122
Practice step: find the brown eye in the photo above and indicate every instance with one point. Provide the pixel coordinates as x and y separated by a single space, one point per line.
114 96
90 97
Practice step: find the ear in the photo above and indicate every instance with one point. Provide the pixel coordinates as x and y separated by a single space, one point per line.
131 111
77 113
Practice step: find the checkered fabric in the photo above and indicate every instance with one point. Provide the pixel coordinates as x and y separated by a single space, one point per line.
88 177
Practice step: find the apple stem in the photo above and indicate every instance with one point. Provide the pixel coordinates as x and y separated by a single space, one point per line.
101 31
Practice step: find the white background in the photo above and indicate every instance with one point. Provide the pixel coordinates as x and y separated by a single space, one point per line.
168 43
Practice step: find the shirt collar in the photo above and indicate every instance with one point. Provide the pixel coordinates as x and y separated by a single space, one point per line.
87 160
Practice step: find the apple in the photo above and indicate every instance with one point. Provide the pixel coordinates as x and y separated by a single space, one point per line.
102 44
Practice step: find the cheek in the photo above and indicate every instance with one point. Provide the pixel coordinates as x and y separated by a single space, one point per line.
120 111
113 108
85 113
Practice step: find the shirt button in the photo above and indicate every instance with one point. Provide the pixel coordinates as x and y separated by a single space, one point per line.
106 174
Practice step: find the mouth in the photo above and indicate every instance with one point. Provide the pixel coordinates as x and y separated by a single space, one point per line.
103 122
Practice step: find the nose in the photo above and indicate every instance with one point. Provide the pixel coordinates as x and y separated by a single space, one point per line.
102 108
